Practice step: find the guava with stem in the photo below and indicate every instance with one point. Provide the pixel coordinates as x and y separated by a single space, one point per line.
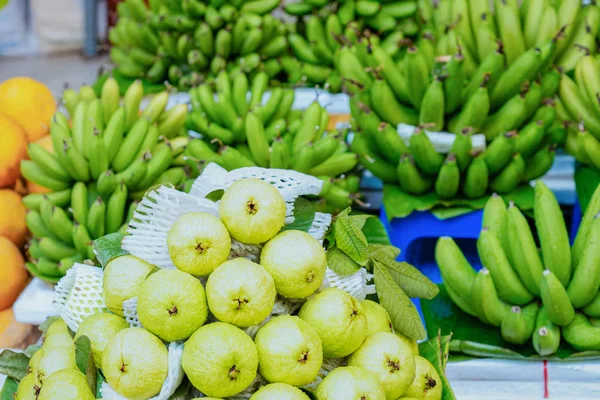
198 242
220 360
389 359
378 319
100 328
135 363
68 384
350 383
339 319
172 304
289 351
240 292
29 387
122 278
297 263
252 210
427 384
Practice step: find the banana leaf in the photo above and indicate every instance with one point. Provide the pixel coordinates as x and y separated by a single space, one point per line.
472 337
399 204
586 181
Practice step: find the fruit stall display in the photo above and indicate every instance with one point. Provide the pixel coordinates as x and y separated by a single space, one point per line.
261 326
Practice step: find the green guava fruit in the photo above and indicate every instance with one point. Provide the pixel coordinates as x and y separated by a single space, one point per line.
412 343
58 326
172 304
198 242
339 319
68 384
240 292
378 319
350 383
100 328
297 263
122 278
220 360
34 361
29 388
135 363
289 351
389 359
427 384
279 391
55 360
252 210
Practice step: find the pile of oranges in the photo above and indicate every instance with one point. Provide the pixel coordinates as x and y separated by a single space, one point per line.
26 110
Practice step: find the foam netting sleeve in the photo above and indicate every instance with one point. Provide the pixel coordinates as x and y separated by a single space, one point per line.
171 383
79 294
130 312
357 284
160 208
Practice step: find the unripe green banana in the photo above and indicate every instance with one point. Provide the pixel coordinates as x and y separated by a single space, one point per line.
417 75
115 209
523 250
385 105
425 155
473 113
499 153
581 239
509 26
554 238
518 326
454 83
448 179
585 283
410 178
555 299
581 334
475 182
489 307
508 284
462 147
372 161
538 164
432 106
546 335
510 176
55 250
456 271
389 143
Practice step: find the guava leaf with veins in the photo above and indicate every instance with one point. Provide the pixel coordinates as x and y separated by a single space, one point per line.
340 263
108 247
13 364
304 215
350 239
85 361
410 279
384 251
402 310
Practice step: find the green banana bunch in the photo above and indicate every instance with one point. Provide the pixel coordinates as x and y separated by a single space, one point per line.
526 295
187 44
245 122
99 165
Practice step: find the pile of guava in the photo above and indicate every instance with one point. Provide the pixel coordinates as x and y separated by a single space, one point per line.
210 299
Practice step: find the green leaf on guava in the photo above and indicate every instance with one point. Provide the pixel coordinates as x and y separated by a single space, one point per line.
108 247
340 263
375 232
350 239
13 364
215 195
410 279
85 361
304 215
402 310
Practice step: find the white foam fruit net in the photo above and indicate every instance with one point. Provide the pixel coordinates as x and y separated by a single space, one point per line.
172 382
79 294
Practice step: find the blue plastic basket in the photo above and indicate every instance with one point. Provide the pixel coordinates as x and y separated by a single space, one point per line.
417 234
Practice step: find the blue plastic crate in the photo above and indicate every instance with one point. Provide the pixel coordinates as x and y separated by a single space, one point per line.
417 234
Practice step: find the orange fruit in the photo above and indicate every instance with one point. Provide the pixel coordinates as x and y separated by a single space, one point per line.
32 187
13 334
13 148
29 103
12 219
13 274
